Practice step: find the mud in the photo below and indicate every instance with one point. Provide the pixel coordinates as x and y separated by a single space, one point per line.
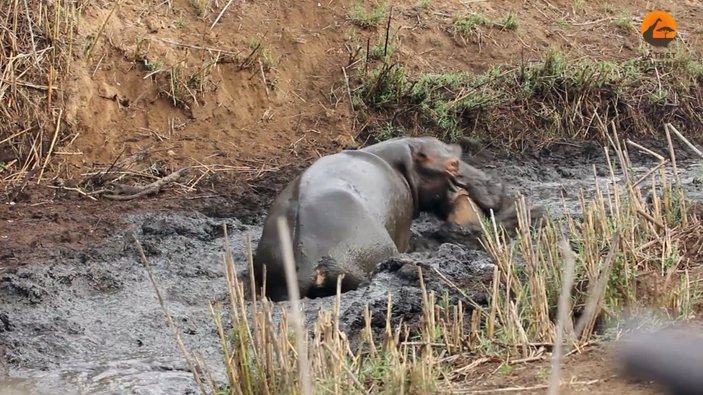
88 320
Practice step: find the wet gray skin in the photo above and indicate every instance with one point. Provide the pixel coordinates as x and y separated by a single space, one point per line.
349 211
88 322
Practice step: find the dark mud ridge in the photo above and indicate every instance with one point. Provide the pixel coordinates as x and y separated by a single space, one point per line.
90 322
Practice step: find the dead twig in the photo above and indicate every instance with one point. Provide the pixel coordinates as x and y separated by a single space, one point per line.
346 79
224 9
263 77
684 139
51 147
153 188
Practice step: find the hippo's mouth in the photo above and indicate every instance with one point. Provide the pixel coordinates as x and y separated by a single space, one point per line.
455 182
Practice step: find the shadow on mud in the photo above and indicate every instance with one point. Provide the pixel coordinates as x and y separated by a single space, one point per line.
90 322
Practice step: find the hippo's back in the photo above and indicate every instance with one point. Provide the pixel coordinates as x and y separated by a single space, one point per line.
351 205
362 175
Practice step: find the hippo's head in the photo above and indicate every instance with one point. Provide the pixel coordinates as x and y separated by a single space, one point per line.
434 158
437 166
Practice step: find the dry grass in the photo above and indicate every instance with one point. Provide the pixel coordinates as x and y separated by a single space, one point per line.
585 271
35 51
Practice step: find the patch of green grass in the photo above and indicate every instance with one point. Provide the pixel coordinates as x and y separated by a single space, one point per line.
376 52
562 23
360 16
468 23
658 96
423 4
696 69
624 22
389 131
441 100
509 22
259 52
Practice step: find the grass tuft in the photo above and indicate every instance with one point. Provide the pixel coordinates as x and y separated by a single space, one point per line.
360 16
509 22
624 22
469 23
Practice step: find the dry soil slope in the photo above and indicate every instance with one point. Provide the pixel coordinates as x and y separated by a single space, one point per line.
117 100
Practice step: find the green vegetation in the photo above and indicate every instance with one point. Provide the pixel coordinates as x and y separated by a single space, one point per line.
376 52
259 52
624 22
423 4
562 23
536 103
509 22
360 16
468 23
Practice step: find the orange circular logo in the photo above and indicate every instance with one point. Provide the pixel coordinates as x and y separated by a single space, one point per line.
658 28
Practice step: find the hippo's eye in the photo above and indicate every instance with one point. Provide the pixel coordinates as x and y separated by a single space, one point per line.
421 156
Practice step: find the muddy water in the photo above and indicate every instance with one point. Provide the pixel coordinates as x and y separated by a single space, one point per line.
90 323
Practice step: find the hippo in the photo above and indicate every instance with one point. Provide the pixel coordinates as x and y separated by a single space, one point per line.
352 210
486 193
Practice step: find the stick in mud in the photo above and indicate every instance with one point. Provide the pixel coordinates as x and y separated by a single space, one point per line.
563 314
192 362
294 296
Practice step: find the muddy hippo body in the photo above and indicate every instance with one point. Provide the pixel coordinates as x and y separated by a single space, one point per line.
350 211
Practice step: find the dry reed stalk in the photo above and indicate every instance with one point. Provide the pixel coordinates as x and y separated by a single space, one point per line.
102 28
194 366
224 9
51 147
671 127
584 327
676 172
294 297
563 314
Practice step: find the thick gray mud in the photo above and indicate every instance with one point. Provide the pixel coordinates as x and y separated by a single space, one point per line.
90 322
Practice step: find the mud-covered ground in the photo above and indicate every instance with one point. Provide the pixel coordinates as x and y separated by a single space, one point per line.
85 318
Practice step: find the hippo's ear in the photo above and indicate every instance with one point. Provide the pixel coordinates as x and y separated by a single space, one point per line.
418 154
